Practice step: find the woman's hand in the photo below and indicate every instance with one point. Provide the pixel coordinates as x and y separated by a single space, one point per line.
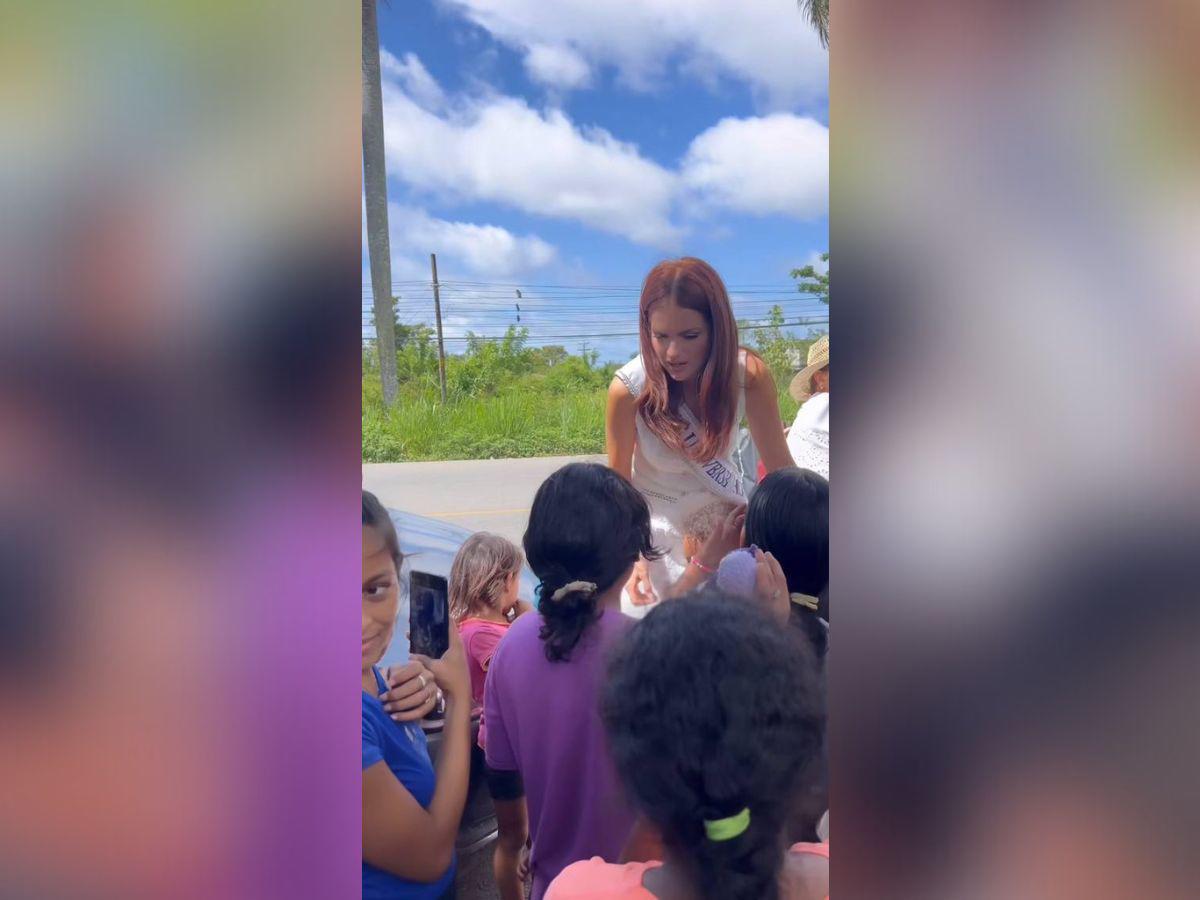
412 692
770 586
450 672
725 538
641 591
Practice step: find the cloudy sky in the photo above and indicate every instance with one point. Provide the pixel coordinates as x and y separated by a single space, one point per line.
564 148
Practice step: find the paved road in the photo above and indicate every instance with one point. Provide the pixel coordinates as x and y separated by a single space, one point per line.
481 495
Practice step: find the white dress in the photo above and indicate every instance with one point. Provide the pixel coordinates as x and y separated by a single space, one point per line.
674 486
808 438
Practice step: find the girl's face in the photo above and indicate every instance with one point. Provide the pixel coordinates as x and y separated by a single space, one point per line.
380 597
680 338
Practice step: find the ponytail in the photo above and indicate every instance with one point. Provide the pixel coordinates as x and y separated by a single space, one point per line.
566 614
745 866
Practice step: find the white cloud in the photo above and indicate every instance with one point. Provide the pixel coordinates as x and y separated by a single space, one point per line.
557 66
483 249
472 248
497 149
767 44
411 74
777 164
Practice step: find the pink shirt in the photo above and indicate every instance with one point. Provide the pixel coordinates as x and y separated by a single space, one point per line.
595 879
480 638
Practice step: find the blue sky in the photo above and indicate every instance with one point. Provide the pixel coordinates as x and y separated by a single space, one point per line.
565 148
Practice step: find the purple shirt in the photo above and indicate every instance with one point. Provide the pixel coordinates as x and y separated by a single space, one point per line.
544 721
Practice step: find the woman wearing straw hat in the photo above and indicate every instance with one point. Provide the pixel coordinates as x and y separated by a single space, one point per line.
808 438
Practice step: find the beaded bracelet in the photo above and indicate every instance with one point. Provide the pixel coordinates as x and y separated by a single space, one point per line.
701 566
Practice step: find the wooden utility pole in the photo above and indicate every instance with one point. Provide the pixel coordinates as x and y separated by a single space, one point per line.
375 199
437 311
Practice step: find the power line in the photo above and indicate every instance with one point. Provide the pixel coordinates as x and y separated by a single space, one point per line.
616 334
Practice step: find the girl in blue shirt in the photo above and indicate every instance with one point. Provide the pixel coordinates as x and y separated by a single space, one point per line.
410 812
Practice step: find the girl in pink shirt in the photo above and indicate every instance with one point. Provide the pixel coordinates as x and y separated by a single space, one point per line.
713 715
484 580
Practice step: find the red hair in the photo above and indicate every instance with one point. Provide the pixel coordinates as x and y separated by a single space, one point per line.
692 284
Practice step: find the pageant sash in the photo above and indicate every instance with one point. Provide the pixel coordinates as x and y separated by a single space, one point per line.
719 475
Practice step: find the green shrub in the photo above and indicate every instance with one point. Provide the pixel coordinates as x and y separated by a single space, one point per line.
508 400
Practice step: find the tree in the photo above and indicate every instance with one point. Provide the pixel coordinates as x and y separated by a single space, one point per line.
814 282
818 16
375 198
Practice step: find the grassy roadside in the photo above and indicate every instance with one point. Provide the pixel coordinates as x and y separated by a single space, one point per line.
508 425
507 400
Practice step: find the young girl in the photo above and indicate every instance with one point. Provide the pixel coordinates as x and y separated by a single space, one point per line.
546 753
788 516
410 813
484 580
673 411
712 716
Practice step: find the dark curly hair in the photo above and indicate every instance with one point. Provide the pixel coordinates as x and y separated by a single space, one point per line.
788 516
711 709
587 524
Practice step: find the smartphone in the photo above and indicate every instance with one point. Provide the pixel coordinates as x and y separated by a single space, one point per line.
428 615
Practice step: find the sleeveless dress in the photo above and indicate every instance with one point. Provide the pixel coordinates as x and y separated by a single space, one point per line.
674 486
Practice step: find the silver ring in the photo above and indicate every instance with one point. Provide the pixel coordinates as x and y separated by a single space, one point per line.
421 677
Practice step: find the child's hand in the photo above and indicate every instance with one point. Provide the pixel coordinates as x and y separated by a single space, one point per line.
725 538
641 592
771 587
523 864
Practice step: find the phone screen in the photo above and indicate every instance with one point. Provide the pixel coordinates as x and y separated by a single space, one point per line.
428 615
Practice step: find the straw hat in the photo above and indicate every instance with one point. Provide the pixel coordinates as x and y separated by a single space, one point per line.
818 358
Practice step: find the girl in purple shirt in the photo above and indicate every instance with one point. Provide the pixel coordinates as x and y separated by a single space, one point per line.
547 755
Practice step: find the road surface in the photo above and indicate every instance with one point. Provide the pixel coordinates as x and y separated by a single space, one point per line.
480 495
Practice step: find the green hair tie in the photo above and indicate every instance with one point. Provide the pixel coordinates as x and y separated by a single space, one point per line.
729 828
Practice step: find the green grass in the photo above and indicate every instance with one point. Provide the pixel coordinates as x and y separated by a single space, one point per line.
506 400
508 425
517 424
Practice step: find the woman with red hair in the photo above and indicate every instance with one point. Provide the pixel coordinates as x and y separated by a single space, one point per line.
674 410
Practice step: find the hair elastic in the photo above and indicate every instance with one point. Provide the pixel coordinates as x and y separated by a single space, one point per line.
729 828
807 601
585 586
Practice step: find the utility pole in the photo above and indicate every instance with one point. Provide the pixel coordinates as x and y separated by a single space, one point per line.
375 198
437 311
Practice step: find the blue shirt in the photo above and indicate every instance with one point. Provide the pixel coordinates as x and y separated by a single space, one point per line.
404 750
